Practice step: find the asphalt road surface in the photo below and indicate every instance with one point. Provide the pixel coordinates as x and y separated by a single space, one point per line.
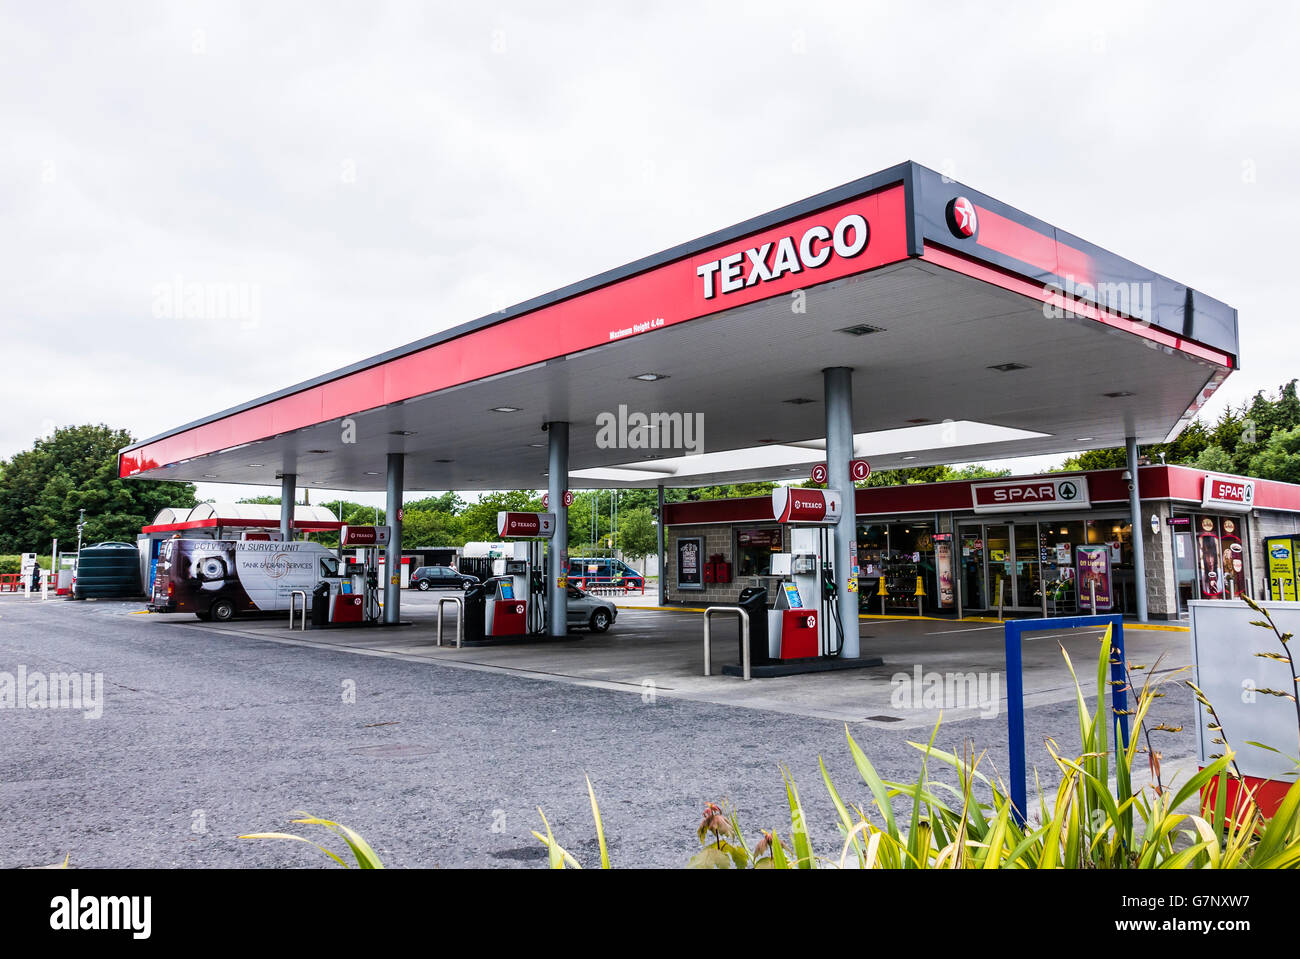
204 736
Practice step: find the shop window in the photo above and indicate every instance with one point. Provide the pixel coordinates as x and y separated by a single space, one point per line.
754 549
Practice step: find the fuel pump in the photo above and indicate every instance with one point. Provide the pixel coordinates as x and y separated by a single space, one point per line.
804 620
357 598
515 594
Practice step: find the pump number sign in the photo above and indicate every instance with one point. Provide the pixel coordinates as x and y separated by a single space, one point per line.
365 535
525 524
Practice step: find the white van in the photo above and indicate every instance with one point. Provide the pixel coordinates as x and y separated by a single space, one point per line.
219 579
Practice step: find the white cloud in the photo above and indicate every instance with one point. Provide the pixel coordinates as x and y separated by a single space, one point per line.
382 172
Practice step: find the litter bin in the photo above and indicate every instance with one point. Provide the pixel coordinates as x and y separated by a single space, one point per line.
475 612
753 600
320 605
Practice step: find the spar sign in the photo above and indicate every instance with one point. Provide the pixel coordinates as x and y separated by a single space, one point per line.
791 504
1016 496
1228 492
525 524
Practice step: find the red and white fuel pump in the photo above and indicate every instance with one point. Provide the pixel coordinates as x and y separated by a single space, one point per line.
515 594
804 618
357 598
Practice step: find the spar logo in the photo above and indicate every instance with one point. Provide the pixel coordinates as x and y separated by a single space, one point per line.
1036 494
962 219
1025 494
774 259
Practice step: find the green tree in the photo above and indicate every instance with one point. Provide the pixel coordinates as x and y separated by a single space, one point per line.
42 491
431 528
638 535
1280 458
448 502
480 518
1215 459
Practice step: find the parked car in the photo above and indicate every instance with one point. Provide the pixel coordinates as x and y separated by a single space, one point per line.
598 571
590 611
441 577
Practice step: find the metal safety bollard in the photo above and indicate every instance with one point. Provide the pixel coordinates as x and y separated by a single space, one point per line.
460 618
293 607
744 637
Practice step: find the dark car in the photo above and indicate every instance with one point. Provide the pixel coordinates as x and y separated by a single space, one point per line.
441 577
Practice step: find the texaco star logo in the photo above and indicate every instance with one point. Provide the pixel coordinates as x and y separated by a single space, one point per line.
961 217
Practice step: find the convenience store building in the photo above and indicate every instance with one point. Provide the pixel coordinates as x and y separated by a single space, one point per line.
1204 536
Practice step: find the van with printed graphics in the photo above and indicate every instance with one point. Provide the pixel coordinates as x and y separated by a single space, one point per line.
222 579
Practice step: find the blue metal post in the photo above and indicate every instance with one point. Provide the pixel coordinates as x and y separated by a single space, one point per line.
1014 632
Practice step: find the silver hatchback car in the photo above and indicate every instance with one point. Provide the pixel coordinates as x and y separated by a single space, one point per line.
590 611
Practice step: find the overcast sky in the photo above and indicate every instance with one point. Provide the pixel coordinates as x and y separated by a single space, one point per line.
367 174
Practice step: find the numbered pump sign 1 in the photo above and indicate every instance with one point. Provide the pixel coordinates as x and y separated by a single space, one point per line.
858 471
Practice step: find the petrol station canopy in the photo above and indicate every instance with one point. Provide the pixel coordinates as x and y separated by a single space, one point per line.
974 330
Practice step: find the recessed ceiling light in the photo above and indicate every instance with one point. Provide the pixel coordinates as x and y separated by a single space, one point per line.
1117 394
401 432
909 457
862 329
650 377
1008 367
256 465
799 401
538 446
504 409
372 473
209 475
1084 439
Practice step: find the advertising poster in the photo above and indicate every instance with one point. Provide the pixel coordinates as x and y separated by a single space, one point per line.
1093 567
1209 561
943 565
690 572
1281 570
1234 561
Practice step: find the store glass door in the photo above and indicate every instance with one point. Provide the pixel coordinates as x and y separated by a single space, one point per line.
971 561
1026 558
1001 569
